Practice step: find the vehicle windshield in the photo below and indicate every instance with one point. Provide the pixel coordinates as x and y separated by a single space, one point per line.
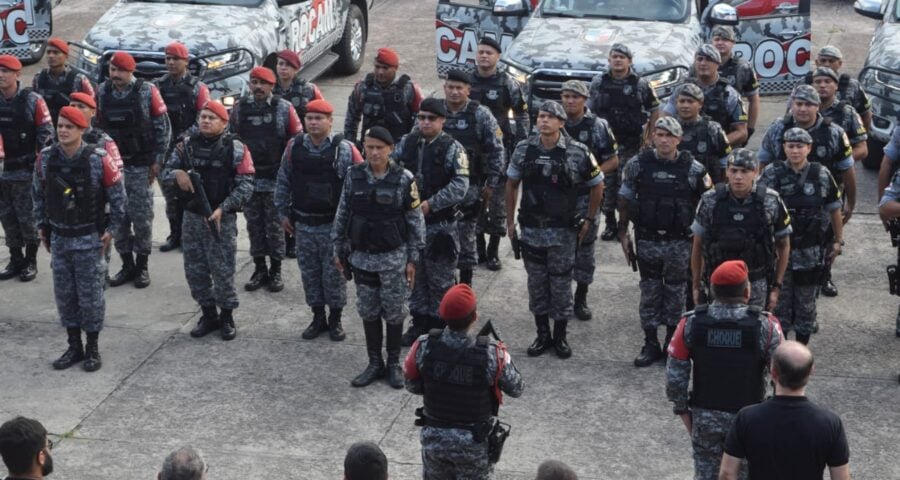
234 3
649 10
897 12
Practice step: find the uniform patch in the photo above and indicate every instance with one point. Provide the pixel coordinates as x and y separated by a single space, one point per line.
821 151
492 94
724 338
707 181
498 133
738 217
414 195
583 136
808 189
463 160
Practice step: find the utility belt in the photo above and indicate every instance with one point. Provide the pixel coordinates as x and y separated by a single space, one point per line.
493 431
534 221
446 216
311 219
72 232
660 235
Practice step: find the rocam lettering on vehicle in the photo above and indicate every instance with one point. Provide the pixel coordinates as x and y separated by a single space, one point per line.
15 20
773 58
461 46
314 24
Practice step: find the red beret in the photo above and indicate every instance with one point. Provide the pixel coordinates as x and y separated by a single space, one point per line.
74 115
388 56
178 50
124 61
319 106
84 98
732 272
10 62
290 57
59 44
263 74
216 107
458 303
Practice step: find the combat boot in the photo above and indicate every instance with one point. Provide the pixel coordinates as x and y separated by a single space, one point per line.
142 275
209 322
92 361
290 246
582 310
126 274
670 332
897 332
611 232
15 265
228 331
465 276
544 340
559 339
392 345
417 327
493 259
481 248
804 339
335 329
75 352
650 352
173 241
375 369
260 275
828 287
275 282
318 325
29 270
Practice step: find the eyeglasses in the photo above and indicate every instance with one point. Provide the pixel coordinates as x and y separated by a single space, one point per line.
426 118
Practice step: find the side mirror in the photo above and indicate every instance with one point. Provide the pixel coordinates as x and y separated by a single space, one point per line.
869 8
722 14
510 8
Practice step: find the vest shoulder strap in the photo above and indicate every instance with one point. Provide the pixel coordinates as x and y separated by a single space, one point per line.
843 82
721 191
402 81
472 107
755 310
435 333
482 341
701 309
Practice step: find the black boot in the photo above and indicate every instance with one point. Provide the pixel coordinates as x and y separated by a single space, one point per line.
73 354
392 345
670 332
828 287
465 276
897 332
493 259
481 248
611 232
290 246
228 331
335 329
260 275
15 265
559 339
173 241
275 282
804 339
650 352
142 275
375 369
92 361
582 310
417 327
209 322
544 340
29 270
318 325
126 274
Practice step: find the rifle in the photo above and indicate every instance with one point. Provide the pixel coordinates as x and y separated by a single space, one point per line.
632 256
893 226
516 246
203 202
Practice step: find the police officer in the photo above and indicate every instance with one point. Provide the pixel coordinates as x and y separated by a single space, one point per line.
209 242
849 88
831 148
476 129
811 196
309 187
594 133
462 379
25 126
57 82
889 203
72 181
742 220
501 93
185 95
379 233
660 191
133 113
737 72
703 137
825 81
727 346
383 99
264 122
441 168
889 162
551 166
625 100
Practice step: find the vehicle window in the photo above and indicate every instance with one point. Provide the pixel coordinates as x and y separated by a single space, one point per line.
896 12
474 3
650 10
762 8
236 3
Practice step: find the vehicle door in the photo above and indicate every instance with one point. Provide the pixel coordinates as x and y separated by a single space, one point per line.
26 26
310 27
461 23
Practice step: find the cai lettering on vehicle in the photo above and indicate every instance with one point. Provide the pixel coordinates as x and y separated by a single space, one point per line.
15 20
773 58
314 23
455 46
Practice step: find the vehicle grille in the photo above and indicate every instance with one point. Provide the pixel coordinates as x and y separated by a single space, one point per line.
547 84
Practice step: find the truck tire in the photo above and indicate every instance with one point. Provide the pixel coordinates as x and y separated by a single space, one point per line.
37 53
876 153
352 47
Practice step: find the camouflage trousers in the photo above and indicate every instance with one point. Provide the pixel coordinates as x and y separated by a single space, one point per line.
759 291
708 440
209 265
549 272
467 255
663 266
435 272
136 231
16 213
264 227
323 284
611 184
174 212
492 220
79 280
382 295
796 306
585 255
452 454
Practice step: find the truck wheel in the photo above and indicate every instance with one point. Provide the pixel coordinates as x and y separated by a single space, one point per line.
352 47
37 53
876 153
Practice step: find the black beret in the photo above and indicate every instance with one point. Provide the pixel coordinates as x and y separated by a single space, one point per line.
380 133
489 41
460 76
433 105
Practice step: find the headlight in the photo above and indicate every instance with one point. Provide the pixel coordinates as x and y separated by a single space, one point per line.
228 101
873 78
90 57
226 65
518 74
664 82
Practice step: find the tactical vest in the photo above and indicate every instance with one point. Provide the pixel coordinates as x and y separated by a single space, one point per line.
463 127
386 107
823 148
179 99
457 385
56 93
715 103
124 120
621 106
839 115
377 218
74 202
298 94
257 129
430 172
728 362
19 133
94 135
740 232
316 185
843 83
665 198
584 131
213 159
549 196
493 93
728 72
804 202
698 140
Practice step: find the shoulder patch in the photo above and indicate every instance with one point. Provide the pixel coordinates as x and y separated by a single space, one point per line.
414 195
463 160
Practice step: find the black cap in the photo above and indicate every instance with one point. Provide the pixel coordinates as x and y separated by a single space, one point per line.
489 41
380 133
435 106
460 76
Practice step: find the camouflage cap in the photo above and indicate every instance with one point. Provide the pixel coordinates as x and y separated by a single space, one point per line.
553 108
797 135
744 158
724 31
621 48
671 125
831 51
576 86
691 90
710 52
825 72
806 93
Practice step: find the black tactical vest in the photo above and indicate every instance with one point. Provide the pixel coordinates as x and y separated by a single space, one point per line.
728 72
124 120
463 127
715 103
664 197
824 150
386 107
213 159
803 199
457 385
19 133
698 140
621 106
180 103
316 185
56 93
740 232
549 194
728 363
429 170
377 221
584 131
298 94
74 202
257 129
493 93
839 115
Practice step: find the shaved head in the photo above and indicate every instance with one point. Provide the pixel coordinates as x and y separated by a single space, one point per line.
555 470
792 365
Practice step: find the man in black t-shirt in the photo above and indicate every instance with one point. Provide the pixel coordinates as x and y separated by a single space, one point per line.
787 437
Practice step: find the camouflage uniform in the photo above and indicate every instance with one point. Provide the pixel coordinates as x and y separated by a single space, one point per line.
451 453
844 116
55 89
299 93
892 191
729 114
831 146
99 138
706 141
855 96
711 426
398 119
740 75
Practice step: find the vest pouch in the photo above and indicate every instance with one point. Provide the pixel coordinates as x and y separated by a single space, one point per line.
556 203
384 196
318 197
359 231
442 248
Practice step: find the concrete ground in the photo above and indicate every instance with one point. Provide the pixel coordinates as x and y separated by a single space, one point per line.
272 405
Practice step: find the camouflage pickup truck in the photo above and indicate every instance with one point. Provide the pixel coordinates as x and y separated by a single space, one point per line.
227 38
25 27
